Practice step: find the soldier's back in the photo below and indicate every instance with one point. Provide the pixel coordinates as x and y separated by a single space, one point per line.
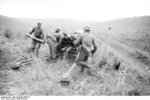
58 36
87 39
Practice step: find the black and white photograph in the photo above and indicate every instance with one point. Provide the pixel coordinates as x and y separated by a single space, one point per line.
74 48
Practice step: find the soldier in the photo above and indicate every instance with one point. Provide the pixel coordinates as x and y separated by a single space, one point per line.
53 39
38 33
88 47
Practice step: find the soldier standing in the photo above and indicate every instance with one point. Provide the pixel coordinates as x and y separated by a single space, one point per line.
38 33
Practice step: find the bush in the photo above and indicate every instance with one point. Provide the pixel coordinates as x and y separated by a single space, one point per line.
8 34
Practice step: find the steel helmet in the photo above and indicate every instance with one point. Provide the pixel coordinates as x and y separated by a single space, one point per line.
57 30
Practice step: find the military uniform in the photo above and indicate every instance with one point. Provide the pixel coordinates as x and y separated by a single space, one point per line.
38 33
53 40
88 47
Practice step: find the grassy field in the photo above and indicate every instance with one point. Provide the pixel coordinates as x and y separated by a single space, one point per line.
127 42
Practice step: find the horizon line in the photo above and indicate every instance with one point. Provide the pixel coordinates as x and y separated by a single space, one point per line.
77 19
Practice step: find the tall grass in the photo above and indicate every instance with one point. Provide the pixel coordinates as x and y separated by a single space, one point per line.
42 78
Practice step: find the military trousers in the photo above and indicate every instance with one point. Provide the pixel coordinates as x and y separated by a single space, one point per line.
35 46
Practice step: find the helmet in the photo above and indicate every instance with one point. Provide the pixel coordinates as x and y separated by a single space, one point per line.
39 24
57 30
87 28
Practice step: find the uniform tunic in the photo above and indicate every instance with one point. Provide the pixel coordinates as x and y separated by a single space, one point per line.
88 45
53 40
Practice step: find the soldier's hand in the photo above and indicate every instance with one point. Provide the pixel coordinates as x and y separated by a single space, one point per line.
44 40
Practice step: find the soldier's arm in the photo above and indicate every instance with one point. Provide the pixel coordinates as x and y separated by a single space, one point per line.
42 35
31 31
95 47
60 39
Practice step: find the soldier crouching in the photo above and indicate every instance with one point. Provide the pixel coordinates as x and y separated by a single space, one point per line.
53 40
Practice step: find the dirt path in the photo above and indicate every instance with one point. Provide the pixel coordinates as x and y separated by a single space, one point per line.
127 54
135 59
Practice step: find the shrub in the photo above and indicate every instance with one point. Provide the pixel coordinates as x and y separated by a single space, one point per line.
8 34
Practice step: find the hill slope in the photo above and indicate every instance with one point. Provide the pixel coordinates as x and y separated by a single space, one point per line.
120 44
48 25
132 31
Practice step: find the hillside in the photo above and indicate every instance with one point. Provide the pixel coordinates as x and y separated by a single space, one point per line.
125 24
133 31
126 44
26 24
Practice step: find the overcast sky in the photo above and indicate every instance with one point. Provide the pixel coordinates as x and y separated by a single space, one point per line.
96 10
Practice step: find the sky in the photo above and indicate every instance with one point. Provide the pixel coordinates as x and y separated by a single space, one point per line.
93 10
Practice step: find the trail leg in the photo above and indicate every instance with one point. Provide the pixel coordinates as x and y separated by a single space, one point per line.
68 73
